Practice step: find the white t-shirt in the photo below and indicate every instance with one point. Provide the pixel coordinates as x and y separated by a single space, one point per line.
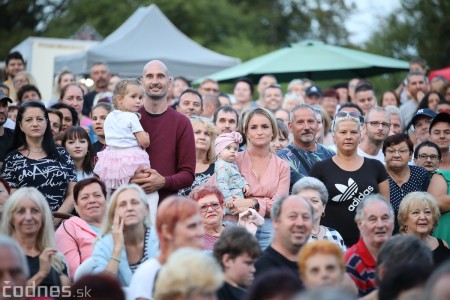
120 127
143 280
379 156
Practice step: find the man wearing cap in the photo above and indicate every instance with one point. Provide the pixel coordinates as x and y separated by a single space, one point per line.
6 134
421 122
313 95
440 135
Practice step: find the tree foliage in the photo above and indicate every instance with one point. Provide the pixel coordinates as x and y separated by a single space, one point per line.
418 27
20 19
242 28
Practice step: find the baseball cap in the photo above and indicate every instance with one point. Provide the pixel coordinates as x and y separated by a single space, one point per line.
313 90
423 113
4 97
440 117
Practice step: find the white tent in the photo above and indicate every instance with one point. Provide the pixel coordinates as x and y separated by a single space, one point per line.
147 35
40 53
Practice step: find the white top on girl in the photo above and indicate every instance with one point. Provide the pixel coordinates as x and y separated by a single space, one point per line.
120 127
124 137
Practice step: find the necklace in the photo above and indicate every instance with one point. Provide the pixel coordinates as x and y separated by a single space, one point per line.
34 151
314 236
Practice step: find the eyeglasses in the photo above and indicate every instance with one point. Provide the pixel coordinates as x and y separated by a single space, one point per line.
385 125
213 205
426 157
400 152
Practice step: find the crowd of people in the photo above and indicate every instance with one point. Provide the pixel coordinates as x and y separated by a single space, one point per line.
149 188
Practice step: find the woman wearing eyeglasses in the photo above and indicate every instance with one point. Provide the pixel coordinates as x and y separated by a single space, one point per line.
403 178
427 155
36 161
211 204
348 177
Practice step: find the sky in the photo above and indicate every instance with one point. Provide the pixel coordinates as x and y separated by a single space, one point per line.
365 18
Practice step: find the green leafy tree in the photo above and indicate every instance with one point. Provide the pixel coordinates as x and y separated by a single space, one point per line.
20 19
418 27
243 28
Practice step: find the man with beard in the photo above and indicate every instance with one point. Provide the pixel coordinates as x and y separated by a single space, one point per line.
172 147
374 131
303 152
6 134
292 218
100 75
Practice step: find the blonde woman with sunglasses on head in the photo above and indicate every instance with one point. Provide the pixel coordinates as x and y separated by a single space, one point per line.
348 177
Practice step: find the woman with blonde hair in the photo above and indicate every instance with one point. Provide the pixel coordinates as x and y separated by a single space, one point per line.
267 174
23 78
348 177
205 137
178 224
189 274
126 239
27 219
418 214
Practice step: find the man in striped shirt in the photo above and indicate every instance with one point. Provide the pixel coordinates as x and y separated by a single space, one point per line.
375 220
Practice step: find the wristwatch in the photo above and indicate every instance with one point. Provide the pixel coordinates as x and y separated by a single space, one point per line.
255 205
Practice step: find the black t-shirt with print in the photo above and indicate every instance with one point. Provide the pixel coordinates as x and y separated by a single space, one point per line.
346 189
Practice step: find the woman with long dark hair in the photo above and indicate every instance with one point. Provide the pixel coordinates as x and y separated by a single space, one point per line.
34 160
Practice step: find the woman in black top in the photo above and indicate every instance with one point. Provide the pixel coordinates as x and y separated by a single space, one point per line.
205 136
419 214
34 159
348 177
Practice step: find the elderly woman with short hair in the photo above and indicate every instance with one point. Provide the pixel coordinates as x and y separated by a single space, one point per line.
212 210
403 178
316 193
419 214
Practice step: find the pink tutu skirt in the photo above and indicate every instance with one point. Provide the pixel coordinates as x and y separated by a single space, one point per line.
116 166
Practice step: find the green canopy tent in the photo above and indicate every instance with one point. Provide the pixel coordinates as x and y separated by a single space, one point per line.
314 60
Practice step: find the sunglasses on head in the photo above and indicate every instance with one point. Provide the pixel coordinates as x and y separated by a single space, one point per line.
349 114
32 103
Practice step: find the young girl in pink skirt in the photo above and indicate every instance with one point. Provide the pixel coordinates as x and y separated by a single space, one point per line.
125 138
